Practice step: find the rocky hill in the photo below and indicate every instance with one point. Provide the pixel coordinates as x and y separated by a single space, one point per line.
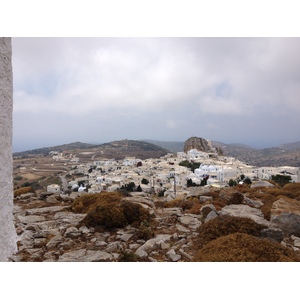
196 143
275 156
115 149
60 148
204 224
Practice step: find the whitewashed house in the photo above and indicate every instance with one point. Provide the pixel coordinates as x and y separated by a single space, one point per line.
53 188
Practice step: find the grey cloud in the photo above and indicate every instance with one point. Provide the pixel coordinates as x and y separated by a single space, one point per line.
159 88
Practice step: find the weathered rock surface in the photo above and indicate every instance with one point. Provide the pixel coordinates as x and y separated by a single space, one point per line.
285 205
289 223
53 233
196 143
245 211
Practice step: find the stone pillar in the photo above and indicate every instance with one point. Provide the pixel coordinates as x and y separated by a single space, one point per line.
7 230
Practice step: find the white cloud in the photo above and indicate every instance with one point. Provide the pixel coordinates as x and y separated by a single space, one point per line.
192 80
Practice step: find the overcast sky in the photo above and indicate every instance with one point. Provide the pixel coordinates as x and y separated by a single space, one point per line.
96 90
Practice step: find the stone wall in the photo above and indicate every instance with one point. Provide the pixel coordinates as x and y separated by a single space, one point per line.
7 229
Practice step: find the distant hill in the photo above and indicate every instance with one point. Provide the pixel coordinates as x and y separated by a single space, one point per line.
290 146
124 148
173 147
114 149
275 156
60 148
283 155
286 154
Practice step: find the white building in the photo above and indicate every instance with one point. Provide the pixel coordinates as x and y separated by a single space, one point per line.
53 188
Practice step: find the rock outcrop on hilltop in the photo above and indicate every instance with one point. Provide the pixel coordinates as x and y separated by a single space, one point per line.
196 143
178 230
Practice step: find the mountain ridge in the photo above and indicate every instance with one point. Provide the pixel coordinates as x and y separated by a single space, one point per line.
284 154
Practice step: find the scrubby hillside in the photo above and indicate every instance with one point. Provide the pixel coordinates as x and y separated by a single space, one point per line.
204 224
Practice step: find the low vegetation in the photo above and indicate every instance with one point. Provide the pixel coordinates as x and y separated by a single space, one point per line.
241 247
108 211
23 190
224 225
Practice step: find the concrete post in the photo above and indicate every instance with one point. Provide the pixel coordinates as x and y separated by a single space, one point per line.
7 230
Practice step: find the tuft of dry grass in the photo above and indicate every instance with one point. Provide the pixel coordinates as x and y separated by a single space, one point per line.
87 203
108 211
23 190
240 247
224 225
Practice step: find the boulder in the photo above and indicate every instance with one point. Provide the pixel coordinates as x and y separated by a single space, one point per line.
31 219
72 232
84 255
172 256
206 209
245 211
231 196
275 234
44 210
151 245
254 203
203 199
212 215
190 221
289 223
286 205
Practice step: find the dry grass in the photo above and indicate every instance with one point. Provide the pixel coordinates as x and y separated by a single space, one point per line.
87 203
240 247
108 211
224 225
23 190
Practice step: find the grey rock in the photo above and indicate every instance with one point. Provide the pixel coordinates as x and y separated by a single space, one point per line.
72 232
26 196
113 247
212 215
177 211
255 203
289 223
126 237
44 210
245 211
100 244
203 199
296 241
31 219
152 244
183 253
182 228
51 200
190 221
172 256
275 234
84 255
54 242
206 209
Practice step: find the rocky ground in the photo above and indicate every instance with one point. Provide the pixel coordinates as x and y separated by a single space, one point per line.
49 231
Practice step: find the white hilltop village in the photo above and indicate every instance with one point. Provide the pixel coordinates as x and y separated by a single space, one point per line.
166 175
